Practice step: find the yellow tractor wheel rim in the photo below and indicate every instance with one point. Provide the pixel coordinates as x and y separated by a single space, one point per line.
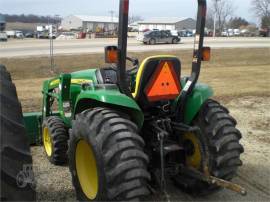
47 141
195 159
86 168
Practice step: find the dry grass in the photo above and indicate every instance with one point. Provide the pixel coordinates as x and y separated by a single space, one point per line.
231 72
38 67
29 92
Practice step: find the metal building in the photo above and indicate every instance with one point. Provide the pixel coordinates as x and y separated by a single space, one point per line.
89 23
168 23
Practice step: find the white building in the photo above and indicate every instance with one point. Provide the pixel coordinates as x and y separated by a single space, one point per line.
134 26
89 23
168 23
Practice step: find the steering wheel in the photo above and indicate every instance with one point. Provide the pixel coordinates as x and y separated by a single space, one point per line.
135 63
133 70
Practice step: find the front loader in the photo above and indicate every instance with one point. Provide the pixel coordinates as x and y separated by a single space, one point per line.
127 131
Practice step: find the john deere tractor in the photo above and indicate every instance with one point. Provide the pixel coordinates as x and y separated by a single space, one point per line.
127 131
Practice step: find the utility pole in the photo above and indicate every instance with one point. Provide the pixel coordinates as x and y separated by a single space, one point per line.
112 21
112 14
215 19
57 21
51 48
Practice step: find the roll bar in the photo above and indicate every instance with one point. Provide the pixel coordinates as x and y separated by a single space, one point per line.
198 43
122 47
197 53
196 62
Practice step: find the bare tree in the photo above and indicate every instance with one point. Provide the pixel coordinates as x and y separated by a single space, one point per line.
210 19
261 8
220 12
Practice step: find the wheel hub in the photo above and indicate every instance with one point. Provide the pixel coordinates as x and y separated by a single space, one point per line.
86 168
47 141
189 147
193 150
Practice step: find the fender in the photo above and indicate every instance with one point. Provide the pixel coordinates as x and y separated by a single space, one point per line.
195 100
109 98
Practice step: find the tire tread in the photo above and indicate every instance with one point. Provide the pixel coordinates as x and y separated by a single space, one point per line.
125 163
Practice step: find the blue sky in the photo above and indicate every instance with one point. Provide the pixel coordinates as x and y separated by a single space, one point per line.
144 8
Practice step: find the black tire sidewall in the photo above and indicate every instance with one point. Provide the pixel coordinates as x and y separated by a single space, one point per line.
45 124
15 148
83 134
108 126
207 127
51 133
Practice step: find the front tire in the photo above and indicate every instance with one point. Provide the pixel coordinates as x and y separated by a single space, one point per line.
219 140
55 140
107 162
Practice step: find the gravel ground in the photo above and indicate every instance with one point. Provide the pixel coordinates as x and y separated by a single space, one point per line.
253 116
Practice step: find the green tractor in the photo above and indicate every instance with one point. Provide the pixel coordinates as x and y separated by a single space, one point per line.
127 131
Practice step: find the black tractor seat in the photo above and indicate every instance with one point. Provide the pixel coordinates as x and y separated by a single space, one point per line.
106 75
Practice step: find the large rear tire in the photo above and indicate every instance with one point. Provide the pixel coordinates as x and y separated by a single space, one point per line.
106 157
17 179
55 140
4 74
219 141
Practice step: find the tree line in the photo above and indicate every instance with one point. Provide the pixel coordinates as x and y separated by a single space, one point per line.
31 18
221 14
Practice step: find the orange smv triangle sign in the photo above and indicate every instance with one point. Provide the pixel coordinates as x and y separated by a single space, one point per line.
164 84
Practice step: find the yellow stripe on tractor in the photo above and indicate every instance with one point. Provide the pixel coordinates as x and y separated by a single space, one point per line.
73 81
